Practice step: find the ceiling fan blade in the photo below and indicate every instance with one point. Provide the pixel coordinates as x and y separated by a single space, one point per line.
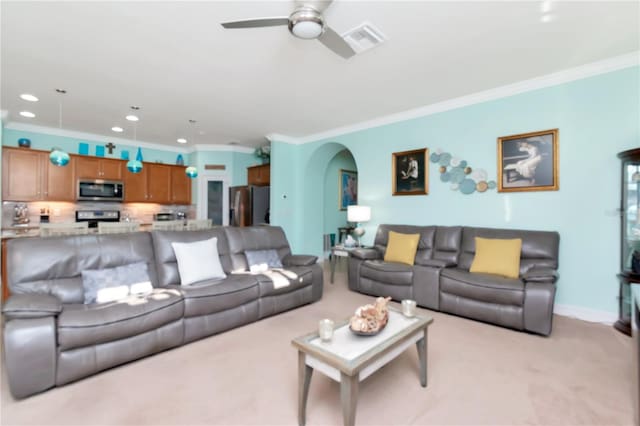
257 22
333 41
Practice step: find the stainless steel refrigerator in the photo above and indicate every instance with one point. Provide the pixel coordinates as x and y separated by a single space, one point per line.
248 205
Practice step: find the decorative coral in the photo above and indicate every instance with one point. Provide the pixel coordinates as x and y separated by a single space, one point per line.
370 319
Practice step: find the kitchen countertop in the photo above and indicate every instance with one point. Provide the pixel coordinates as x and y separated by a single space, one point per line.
34 231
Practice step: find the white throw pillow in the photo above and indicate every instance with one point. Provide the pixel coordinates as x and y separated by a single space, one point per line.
198 261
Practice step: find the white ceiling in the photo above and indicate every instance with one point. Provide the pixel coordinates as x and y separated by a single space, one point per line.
176 62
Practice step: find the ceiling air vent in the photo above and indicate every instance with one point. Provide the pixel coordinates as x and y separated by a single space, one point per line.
364 37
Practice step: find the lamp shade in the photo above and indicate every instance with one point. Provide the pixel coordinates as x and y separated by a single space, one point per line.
358 213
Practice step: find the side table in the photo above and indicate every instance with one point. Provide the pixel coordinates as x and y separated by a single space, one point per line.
338 251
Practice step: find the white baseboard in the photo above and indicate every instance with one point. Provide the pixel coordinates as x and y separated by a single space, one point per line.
585 314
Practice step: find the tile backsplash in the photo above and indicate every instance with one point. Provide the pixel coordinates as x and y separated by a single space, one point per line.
66 211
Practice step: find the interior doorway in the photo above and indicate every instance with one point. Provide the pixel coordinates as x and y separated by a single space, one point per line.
213 198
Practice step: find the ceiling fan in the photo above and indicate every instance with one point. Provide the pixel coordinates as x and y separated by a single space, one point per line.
306 22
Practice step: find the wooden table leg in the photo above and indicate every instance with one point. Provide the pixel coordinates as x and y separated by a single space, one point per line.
349 398
422 355
304 379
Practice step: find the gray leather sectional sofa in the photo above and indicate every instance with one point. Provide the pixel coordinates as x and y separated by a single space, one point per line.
51 338
440 277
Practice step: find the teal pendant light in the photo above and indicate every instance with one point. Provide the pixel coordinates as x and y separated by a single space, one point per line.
192 172
135 166
58 157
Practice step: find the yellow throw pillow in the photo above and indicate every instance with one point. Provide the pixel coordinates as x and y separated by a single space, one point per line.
401 248
499 257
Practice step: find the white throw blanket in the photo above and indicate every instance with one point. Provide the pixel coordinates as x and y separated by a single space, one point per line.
279 276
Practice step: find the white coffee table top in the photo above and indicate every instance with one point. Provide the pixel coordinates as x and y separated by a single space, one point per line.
350 353
350 346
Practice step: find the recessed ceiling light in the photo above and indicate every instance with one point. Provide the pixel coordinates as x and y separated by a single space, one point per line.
28 97
27 114
117 129
181 140
132 117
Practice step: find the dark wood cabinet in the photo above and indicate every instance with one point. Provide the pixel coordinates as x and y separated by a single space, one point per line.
259 175
629 235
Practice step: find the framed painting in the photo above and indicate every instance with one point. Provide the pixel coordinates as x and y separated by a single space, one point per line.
528 162
348 189
410 172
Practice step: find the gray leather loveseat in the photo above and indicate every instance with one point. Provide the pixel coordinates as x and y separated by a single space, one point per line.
440 277
52 338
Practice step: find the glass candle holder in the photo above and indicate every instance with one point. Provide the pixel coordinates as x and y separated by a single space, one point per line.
325 329
408 307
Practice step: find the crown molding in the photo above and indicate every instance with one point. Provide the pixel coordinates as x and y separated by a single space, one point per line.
13 125
277 137
571 74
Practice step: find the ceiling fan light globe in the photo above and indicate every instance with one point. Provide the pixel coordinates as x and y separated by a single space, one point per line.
307 30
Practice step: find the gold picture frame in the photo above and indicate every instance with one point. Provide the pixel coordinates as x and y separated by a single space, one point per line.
528 162
410 172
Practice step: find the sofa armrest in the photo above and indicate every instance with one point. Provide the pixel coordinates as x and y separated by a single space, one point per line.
365 253
541 275
299 260
436 263
31 306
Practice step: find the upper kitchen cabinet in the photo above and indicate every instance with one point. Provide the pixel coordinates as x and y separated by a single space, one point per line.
98 168
180 186
27 175
159 183
259 175
135 186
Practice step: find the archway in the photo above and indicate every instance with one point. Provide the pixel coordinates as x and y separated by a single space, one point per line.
317 194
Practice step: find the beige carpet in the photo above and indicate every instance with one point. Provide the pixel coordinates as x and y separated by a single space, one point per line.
479 374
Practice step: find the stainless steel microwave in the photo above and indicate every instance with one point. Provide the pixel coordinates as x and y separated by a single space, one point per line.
100 190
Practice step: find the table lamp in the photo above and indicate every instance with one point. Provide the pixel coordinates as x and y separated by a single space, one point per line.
358 214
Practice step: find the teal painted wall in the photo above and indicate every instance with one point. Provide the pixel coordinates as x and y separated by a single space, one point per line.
597 117
333 216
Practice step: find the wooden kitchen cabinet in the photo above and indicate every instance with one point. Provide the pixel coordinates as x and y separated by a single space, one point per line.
135 186
180 186
259 175
98 168
158 183
27 175
22 174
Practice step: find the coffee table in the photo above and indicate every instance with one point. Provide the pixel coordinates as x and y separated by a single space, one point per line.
349 359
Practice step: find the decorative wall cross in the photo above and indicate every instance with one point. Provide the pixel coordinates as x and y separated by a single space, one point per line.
110 147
